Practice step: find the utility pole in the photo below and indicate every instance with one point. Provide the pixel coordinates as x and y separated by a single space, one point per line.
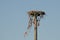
35 28
34 17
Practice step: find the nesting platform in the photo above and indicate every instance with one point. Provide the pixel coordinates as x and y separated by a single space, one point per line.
38 13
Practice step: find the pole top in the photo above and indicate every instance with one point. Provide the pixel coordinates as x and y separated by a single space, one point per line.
37 13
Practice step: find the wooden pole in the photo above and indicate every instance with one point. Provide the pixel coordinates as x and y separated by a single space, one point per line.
35 27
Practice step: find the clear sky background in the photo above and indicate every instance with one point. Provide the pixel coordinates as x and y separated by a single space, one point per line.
14 19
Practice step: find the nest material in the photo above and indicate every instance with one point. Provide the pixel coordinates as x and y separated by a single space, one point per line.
38 13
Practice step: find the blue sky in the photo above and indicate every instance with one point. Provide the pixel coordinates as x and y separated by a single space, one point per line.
14 19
